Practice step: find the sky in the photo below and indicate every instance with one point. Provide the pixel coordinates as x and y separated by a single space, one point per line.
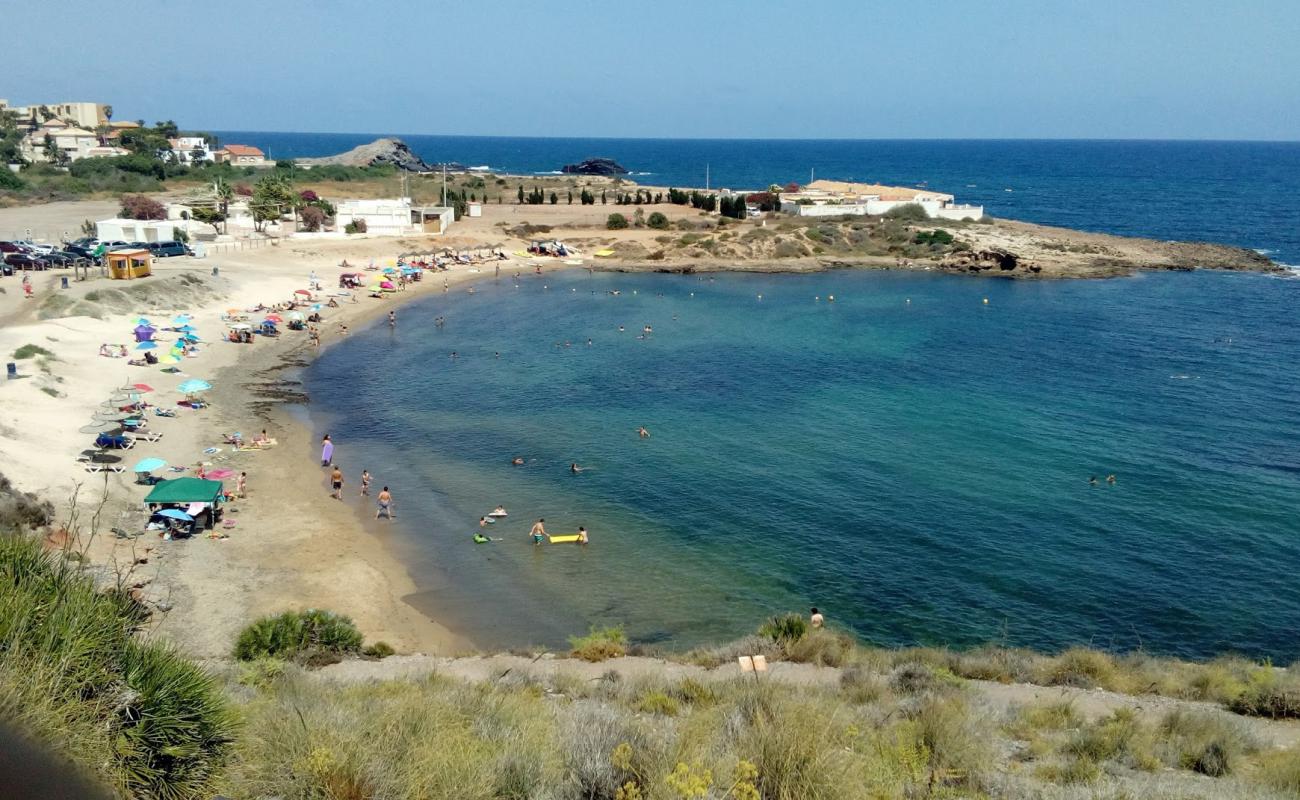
862 69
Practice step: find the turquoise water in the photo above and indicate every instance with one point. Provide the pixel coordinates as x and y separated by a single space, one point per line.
918 470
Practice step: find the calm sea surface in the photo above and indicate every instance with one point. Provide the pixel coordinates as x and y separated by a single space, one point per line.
1241 193
912 460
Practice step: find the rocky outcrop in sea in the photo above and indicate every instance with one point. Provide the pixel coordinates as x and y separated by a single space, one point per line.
596 166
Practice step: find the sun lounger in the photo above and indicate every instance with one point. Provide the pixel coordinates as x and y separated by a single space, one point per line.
148 436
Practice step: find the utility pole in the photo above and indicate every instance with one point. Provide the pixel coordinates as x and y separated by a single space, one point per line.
444 185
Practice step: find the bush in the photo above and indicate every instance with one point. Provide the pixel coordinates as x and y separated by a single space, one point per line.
785 628
311 636
912 212
656 702
138 206
378 650
148 722
312 218
938 237
1087 669
10 181
355 226
1209 743
1268 693
600 644
616 222
31 351
1281 770
658 221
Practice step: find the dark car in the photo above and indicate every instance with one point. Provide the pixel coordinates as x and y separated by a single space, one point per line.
168 249
81 251
59 259
23 261
11 247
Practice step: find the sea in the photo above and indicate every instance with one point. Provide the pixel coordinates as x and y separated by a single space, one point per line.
915 457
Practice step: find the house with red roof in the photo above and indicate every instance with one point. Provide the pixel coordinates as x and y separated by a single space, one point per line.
240 155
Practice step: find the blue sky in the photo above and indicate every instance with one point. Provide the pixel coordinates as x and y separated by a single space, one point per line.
758 69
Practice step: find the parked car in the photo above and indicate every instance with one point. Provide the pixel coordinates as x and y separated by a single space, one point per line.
23 261
11 247
33 247
58 258
81 251
169 249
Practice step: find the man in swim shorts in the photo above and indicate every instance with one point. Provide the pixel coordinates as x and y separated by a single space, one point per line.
385 504
538 532
336 481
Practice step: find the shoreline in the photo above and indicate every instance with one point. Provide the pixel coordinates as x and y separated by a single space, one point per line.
287 550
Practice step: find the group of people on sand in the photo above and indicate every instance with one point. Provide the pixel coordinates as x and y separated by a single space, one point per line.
383 502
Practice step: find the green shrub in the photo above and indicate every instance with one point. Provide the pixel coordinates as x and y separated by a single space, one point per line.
821 647
31 351
616 222
938 237
1087 669
1071 771
658 221
378 650
912 212
785 628
355 226
656 702
311 636
1209 743
1281 770
148 722
1268 692
600 644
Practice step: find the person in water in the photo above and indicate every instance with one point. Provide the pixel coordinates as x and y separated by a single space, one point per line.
365 482
642 432
385 504
574 468
1110 479
1092 480
582 535
538 531
816 620
392 319
517 461
499 511
482 522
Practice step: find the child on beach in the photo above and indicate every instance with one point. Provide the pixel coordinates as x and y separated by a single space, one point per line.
365 482
241 484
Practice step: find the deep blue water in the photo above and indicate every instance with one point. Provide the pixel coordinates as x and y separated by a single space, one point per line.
1241 193
912 460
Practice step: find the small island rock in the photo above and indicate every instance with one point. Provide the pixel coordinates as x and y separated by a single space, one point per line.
596 166
380 151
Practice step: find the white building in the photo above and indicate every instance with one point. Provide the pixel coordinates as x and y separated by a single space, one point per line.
393 217
85 115
75 143
837 198
138 230
191 149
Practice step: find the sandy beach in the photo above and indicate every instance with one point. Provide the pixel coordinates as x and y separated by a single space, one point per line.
292 546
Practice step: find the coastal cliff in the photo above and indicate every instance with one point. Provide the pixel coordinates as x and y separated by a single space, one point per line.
392 152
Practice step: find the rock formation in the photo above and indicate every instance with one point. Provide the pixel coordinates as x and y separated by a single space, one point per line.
380 151
596 166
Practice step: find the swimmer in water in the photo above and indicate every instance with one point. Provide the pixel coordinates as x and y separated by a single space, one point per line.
482 522
499 511
642 432
582 535
620 328
1110 479
517 461
538 531
574 468
1092 480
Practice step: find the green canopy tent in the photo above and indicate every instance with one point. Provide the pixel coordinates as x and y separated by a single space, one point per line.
184 491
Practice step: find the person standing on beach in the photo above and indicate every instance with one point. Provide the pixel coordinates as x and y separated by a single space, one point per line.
385 504
326 451
365 482
538 531
241 485
336 481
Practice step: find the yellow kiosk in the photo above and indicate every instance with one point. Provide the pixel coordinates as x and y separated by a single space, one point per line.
127 264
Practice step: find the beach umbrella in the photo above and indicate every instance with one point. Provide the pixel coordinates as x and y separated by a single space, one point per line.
144 333
175 513
185 329
193 385
275 317
181 319
241 326
143 321
169 359
302 292
386 284
146 345
115 416
98 427
191 337
100 457
142 387
296 315
149 465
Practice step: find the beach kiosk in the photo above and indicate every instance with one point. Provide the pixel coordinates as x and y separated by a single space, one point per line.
124 265
195 498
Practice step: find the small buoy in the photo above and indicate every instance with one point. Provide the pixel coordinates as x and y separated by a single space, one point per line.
760 297
830 298
986 301
909 301
634 291
818 298
546 287
692 294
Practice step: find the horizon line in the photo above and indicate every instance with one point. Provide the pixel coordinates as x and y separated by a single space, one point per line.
769 139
